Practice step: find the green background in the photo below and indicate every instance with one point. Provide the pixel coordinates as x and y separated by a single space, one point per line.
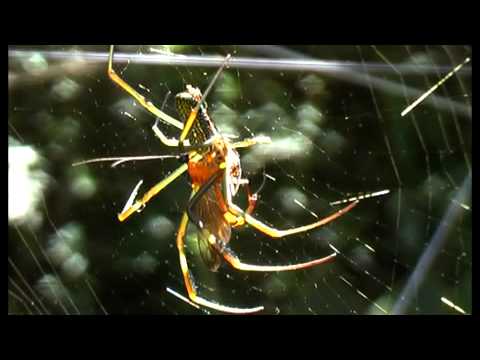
336 134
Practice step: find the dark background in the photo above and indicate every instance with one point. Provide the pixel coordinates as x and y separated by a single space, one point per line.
337 133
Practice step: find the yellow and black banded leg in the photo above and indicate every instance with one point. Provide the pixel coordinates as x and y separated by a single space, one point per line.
140 204
257 140
173 142
189 281
193 115
183 142
149 106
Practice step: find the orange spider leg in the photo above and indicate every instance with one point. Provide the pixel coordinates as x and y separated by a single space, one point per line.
252 200
233 260
275 233
189 281
244 217
226 252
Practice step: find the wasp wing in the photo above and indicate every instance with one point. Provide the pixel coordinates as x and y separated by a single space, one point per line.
210 210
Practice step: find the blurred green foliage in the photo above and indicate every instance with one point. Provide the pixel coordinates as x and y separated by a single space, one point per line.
333 138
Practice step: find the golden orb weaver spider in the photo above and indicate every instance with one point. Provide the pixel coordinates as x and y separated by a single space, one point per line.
215 172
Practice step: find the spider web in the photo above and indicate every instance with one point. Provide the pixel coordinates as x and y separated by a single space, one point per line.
337 133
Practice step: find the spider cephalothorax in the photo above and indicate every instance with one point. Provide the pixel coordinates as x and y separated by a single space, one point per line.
203 128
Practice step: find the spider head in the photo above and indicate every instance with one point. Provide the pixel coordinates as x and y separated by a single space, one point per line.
187 100
203 128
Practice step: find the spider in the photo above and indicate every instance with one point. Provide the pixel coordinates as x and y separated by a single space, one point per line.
213 165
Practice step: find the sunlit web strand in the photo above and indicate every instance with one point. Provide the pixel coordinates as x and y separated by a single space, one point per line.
364 78
364 271
393 162
27 285
452 305
59 234
43 272
431 253
396 154
21 301
361 197
434 87
121 159
455 117
28 299
464 90
349 307
302 63
359 292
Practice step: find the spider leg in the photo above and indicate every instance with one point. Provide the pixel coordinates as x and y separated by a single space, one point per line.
189 281
227 253
252 200
182 142
138 97
252 141
172 142
243 217
233 260
152 192
164 139
149 106
193 115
